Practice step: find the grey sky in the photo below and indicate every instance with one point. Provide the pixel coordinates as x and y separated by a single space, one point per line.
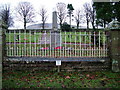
50 5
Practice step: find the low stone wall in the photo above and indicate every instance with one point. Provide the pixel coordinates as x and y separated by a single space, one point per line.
51 66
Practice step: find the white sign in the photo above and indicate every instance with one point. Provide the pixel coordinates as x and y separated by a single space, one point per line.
58 62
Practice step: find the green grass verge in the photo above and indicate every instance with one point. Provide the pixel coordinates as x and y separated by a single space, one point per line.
66 37
45 79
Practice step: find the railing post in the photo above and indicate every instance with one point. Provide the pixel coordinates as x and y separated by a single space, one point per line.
114 46
1 54
115 49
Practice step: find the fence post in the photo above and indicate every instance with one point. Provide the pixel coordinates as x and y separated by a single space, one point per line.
114 47
115 50
1 54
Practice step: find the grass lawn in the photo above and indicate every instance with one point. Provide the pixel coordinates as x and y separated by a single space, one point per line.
47 79
81 37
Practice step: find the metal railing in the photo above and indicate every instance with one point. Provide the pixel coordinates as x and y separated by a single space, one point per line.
72 44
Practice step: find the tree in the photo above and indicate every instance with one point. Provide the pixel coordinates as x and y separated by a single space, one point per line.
116 10
6 17
87 10
61 9
104 12
70 11
26 12
92 16
78 17
66 27
43 14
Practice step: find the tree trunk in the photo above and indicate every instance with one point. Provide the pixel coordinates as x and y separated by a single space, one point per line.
24 23
87 21
43 25
93 19
104 24
60 25
93 26
87 24
77 25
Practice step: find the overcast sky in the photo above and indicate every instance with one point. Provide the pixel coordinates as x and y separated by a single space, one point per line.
50 5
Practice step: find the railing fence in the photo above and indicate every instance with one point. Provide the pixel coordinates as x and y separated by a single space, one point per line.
72 44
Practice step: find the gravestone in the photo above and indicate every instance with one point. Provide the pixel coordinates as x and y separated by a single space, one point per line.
56 40
45 38
16 37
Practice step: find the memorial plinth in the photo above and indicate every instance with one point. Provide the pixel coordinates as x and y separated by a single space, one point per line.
56 40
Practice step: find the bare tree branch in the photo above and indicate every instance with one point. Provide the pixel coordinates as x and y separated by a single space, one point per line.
44 16
87 9
26 12
6 15
61 9
78 17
